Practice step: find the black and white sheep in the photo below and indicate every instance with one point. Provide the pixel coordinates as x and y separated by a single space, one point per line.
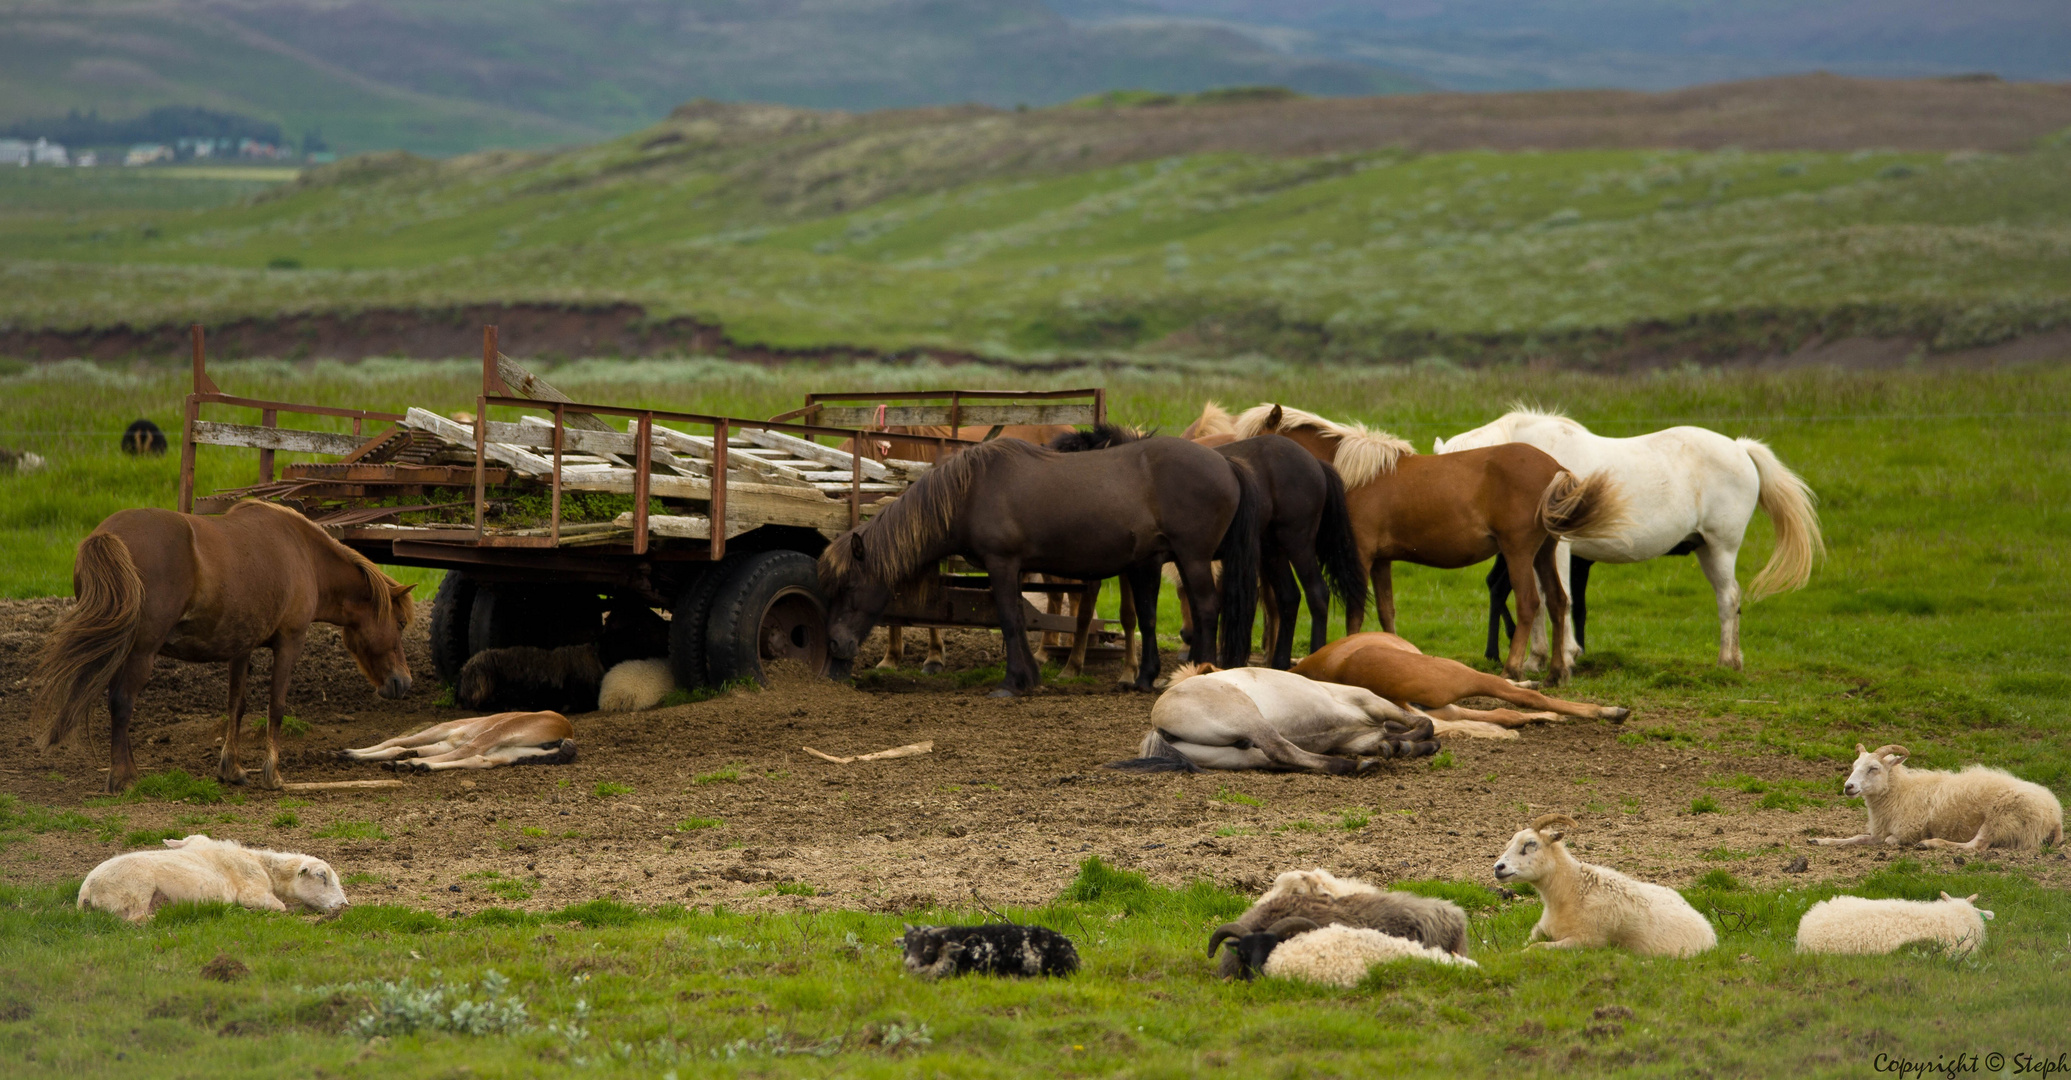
1590 906
934 952
1862 927
1323 898
1971 810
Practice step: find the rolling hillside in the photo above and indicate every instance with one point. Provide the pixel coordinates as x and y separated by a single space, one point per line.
447 76
1602 228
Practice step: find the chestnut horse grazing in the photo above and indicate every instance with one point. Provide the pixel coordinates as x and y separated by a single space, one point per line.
210 590
1011 507
1396 670
1456 509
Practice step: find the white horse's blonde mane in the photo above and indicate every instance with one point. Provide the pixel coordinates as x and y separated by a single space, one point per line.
1363 453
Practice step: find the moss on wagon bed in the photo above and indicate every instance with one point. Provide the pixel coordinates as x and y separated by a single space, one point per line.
619 990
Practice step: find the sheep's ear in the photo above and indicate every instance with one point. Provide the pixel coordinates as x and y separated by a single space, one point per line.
1553 834
1972 898
1946 896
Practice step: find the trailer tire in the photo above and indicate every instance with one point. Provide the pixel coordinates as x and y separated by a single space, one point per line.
769 608
451 608
512 613
687 624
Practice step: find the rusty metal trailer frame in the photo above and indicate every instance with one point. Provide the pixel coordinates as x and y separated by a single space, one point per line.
637 565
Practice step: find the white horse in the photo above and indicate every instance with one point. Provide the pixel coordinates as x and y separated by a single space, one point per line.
1263 718
1688 490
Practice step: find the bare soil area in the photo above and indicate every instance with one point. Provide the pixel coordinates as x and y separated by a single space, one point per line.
1010 800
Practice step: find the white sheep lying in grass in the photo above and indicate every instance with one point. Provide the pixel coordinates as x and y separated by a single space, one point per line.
1340 955
1992 807
635 685
1854 925
1589 906
196 868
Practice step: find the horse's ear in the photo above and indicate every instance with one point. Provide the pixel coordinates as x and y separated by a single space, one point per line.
401 591
1273 419
856 547
1438 445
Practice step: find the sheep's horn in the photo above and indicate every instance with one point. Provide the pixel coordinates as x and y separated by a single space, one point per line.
1290 926
1545 821
1892 748
1223 933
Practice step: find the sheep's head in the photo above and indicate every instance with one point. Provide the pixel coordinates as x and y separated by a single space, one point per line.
1253 949
1872 775
316 887
1969 902
1529 858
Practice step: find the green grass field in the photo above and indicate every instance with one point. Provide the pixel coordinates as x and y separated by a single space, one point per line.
951 235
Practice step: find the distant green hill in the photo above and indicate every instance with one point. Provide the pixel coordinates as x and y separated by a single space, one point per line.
447 76
1327 229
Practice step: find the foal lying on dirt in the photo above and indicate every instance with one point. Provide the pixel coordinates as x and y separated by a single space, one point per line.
1399 672
1260 718
482 742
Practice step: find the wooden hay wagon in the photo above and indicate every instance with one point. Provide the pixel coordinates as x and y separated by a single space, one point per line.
544 522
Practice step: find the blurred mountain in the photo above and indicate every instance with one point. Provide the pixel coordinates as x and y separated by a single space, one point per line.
1640 44
442 76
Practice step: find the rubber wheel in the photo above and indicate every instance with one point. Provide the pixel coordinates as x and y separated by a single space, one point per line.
450 608
769 608
507 614
687 624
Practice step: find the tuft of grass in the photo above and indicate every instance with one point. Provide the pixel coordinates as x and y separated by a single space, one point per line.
138 838
1704 804
1227 794
607 789
795 888
351 830
294 726
1354 819
1442 760
173 785
286 819
693 824
730 774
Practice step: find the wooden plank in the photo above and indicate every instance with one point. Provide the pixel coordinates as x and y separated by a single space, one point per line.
685 526
525 384
517 458
806 448
754 504
341 785
265 438
608 443
971 415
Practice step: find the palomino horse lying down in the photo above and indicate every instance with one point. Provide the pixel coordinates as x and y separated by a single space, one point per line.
482 742
1260 718
1397 671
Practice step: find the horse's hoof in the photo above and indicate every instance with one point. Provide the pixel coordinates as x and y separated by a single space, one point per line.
1002 692
932 667
887 665
1615 715
562 756
1525 684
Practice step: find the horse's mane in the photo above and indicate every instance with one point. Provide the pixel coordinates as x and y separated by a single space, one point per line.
903 536
1363 453
1521 410
1215 420
1097 437
380 587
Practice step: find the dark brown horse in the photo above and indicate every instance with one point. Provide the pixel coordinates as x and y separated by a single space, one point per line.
891 445
1305 532
1454 510
210 590
1014 508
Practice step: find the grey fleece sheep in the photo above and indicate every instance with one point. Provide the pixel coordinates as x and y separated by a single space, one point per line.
1324 898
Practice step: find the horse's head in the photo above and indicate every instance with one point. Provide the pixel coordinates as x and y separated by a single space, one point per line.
373 628
856 595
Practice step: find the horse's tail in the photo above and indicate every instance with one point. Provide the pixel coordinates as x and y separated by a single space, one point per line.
91 642
1338 549
1156 755
1239 555
1586 507
1788 501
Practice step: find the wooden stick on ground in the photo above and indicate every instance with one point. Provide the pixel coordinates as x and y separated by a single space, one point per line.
341 785
894 752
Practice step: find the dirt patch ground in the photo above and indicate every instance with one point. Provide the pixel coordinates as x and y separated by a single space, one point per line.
1011 799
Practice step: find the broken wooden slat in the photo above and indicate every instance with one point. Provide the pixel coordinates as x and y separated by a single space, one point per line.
341 785
685 526
612 444
806 448
518 458
265 438
908 750
525 384
972 415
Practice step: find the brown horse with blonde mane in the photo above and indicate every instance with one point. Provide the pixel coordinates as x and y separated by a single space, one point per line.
210 590
1455 510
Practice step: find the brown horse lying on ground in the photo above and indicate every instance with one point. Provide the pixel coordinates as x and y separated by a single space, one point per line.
482 742
1455 510
210 590
1394 669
